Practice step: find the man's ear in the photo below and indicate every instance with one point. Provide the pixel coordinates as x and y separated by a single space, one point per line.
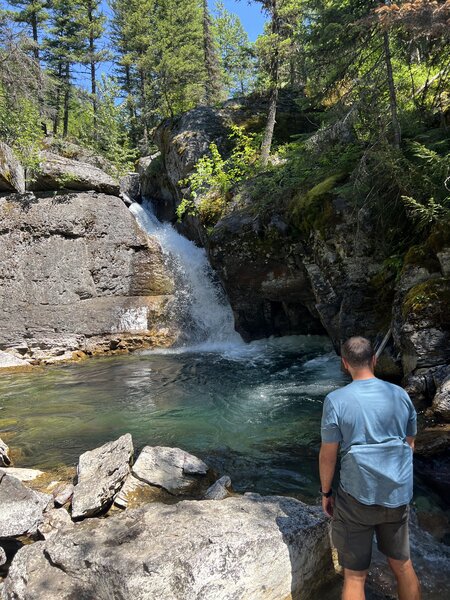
374 361
345 363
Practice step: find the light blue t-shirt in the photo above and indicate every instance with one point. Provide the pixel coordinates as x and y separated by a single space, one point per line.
371 419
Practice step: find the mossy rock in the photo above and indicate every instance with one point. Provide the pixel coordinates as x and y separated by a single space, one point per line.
421 255
439 237
430 299
314 210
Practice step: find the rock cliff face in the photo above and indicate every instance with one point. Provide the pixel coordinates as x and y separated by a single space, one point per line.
317 268
77 275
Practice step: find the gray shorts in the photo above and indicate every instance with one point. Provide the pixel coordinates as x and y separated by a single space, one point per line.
355 523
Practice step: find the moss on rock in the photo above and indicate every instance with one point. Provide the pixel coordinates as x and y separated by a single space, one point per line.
314 210
431 299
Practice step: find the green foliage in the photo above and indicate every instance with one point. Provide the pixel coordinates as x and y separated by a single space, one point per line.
435 171
20 128
216 175
236 51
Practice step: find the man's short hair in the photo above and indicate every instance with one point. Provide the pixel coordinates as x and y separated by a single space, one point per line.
357 351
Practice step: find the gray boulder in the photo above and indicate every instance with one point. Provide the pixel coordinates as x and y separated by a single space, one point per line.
260 548
12 175
170 468
441 401
218 490
101 473
5 461
58 172
130 188
55 520
21 508
62 494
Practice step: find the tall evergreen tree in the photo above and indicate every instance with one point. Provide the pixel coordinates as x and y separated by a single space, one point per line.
94 27
34 14
64 46
235 50
213 84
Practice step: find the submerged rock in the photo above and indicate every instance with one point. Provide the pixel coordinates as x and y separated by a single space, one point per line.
21 508
170 468
101 473
264 548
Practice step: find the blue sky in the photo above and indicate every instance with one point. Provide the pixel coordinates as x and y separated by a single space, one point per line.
249 13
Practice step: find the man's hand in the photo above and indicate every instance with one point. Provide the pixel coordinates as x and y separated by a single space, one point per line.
328 505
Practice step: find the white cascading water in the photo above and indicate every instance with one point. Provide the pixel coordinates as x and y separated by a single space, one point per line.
201 304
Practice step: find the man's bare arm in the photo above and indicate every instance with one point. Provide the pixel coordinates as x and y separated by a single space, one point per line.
410 440
327 466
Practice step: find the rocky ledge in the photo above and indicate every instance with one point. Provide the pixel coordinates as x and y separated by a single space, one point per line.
240 546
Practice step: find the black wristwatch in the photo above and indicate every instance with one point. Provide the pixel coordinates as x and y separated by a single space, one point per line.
326 494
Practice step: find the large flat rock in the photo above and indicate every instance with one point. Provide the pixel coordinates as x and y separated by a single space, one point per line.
101 473
251 547
57 172
21 509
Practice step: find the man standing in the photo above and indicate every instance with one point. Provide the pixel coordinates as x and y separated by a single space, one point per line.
374 422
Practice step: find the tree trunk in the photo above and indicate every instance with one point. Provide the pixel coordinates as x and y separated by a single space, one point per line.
66 100
213 87
273 96
392 94
34 27
93 66
58 101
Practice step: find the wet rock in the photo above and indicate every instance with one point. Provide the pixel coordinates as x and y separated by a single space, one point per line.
170 468
431 441
435 472
5 461
21 508
10 362
155 184
248 547
219 489
58 172
12 175
55 520
130 187
98 283
101 473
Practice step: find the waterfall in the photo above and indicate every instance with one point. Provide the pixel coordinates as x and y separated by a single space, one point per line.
200 302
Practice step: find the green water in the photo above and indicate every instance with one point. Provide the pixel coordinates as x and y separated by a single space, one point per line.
250 411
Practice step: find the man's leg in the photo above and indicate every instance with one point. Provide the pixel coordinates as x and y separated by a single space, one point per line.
354 585
408 585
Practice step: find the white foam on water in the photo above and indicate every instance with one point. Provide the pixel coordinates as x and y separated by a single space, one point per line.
201 305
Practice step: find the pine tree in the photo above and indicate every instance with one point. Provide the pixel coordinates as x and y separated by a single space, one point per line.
94 27
34 14
235 50
64 46
214 86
